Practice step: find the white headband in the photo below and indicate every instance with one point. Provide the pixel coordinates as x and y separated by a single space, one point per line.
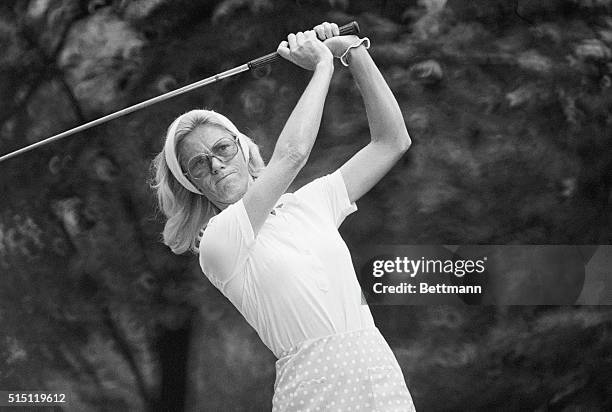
170 145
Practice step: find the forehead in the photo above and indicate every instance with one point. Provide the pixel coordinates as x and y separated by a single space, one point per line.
203 137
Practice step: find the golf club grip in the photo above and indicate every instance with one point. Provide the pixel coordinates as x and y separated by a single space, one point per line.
351 28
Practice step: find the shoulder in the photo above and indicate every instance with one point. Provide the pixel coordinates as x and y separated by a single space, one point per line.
328 195
226 231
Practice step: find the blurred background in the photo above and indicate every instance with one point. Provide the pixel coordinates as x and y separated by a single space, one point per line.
509 107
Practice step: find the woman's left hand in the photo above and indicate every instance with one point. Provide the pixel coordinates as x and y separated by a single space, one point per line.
329 34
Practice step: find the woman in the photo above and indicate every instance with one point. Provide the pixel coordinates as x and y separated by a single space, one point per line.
278 257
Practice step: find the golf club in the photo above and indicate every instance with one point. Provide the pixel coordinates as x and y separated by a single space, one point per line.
350 28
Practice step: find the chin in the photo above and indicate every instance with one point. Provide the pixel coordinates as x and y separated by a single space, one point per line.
232 196
231 189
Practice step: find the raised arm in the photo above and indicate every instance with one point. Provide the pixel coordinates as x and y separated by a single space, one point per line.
389 137
298 136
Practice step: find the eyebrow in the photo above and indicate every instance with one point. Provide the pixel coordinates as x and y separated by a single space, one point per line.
232 136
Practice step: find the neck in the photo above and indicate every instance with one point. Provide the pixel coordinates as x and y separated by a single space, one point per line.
220 205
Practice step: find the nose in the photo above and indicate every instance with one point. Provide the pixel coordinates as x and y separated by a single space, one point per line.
216 165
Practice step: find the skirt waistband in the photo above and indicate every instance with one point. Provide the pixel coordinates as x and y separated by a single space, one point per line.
313 341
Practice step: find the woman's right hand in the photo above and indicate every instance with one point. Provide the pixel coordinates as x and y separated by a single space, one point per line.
305 50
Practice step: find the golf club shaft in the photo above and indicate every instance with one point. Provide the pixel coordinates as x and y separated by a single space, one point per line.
128 110
351 28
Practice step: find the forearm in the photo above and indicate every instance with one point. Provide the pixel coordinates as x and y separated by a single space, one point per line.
384 115
298 136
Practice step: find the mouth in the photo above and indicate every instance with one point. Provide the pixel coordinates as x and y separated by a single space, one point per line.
230 173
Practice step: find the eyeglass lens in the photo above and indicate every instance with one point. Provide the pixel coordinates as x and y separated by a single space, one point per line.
224 150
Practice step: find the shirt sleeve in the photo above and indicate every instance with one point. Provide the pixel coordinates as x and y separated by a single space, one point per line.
329 197
224 250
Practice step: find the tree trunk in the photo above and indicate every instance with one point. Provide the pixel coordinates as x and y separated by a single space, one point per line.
173 351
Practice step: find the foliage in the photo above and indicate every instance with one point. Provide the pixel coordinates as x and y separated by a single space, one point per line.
509 109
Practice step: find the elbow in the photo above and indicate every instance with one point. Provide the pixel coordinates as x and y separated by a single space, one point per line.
295 156
398 143
396 139
403 142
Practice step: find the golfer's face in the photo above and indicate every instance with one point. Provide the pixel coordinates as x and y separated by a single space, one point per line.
212 157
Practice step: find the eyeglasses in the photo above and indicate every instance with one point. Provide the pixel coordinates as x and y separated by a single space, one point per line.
200 166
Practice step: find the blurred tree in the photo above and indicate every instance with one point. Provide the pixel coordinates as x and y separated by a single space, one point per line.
509 108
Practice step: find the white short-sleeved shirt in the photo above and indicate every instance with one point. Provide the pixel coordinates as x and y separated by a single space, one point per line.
295 280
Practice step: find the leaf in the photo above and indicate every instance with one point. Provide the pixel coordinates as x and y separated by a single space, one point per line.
532 60
427 72
228 7
593 49
520 96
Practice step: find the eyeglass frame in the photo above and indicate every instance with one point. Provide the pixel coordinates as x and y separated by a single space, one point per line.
208 156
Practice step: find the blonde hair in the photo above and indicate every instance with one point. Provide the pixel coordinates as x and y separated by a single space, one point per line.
187 212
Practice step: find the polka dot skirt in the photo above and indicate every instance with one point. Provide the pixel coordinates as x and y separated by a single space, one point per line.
350 371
